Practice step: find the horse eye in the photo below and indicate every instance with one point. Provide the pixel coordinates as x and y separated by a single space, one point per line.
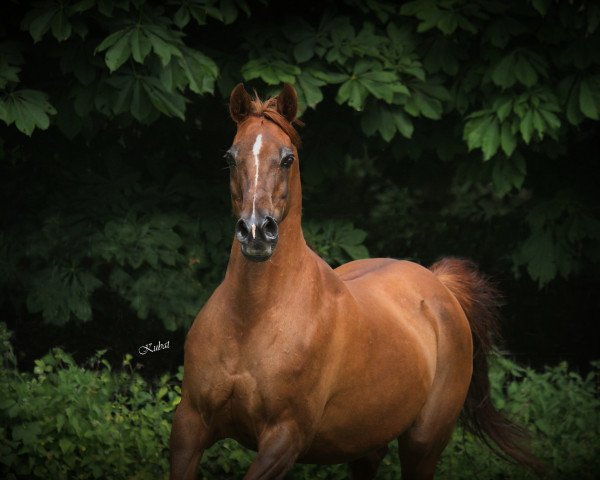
229 159
287 161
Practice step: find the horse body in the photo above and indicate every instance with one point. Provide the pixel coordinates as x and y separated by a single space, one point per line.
372 347
305 363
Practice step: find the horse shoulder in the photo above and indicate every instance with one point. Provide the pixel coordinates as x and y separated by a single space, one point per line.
212 354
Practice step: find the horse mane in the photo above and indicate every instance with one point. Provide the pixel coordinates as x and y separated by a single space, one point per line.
268 109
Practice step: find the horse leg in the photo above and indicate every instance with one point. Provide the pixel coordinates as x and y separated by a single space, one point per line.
418 460
365 468
420 447
189 438
278 449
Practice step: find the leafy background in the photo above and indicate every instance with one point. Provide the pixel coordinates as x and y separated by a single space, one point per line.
432 128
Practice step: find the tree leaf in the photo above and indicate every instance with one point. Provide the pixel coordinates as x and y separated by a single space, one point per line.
508 141
587 102
181 17
526 126
38 22
371 119
117 54
538 122
141 107
163 49
421 104
111 40
503 107
356 252
524 72
552 121
171 104
539 253
387 125
140 45
309 88
28 109
27 433
573 111
403 123
200 70
352 93
305 50
503 73
507 174
61 27
273 72
490 140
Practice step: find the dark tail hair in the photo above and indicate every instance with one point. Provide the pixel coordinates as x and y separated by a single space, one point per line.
480 301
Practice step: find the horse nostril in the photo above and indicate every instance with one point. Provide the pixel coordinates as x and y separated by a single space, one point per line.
270 228
241 230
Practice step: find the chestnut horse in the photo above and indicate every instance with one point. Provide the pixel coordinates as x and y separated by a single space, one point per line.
305 363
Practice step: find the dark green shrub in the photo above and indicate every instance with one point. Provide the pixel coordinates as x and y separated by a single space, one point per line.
68 422
560 408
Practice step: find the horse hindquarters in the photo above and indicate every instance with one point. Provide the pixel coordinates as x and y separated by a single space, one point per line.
480 300
420 447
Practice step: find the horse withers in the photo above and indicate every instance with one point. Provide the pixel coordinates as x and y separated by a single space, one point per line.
305 363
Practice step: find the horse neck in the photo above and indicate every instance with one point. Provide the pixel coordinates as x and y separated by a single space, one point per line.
254 283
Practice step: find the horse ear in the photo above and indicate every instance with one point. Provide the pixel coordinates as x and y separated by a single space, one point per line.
239 103
287 102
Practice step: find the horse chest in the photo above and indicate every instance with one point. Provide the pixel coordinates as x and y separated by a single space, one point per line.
244 378
238 387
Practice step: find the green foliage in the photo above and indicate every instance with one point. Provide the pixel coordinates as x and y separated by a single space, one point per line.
560 409
558 229
152 258
523 66
337 242
149 66
67 421
529 113
27 109
150 251
581 97
472 110
64 421
59 292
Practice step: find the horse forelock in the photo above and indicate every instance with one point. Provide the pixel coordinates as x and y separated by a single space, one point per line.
268 109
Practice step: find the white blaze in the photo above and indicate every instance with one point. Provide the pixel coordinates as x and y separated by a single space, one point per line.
255 152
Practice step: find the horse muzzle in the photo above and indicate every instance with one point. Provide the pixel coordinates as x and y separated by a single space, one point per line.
258 236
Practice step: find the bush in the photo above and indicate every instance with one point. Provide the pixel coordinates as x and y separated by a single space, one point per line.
66 421
561 409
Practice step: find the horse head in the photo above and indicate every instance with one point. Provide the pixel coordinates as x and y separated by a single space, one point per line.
263 168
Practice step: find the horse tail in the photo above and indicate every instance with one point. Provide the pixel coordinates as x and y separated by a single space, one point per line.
480 301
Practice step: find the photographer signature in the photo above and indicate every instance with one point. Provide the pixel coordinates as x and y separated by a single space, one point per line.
151 348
